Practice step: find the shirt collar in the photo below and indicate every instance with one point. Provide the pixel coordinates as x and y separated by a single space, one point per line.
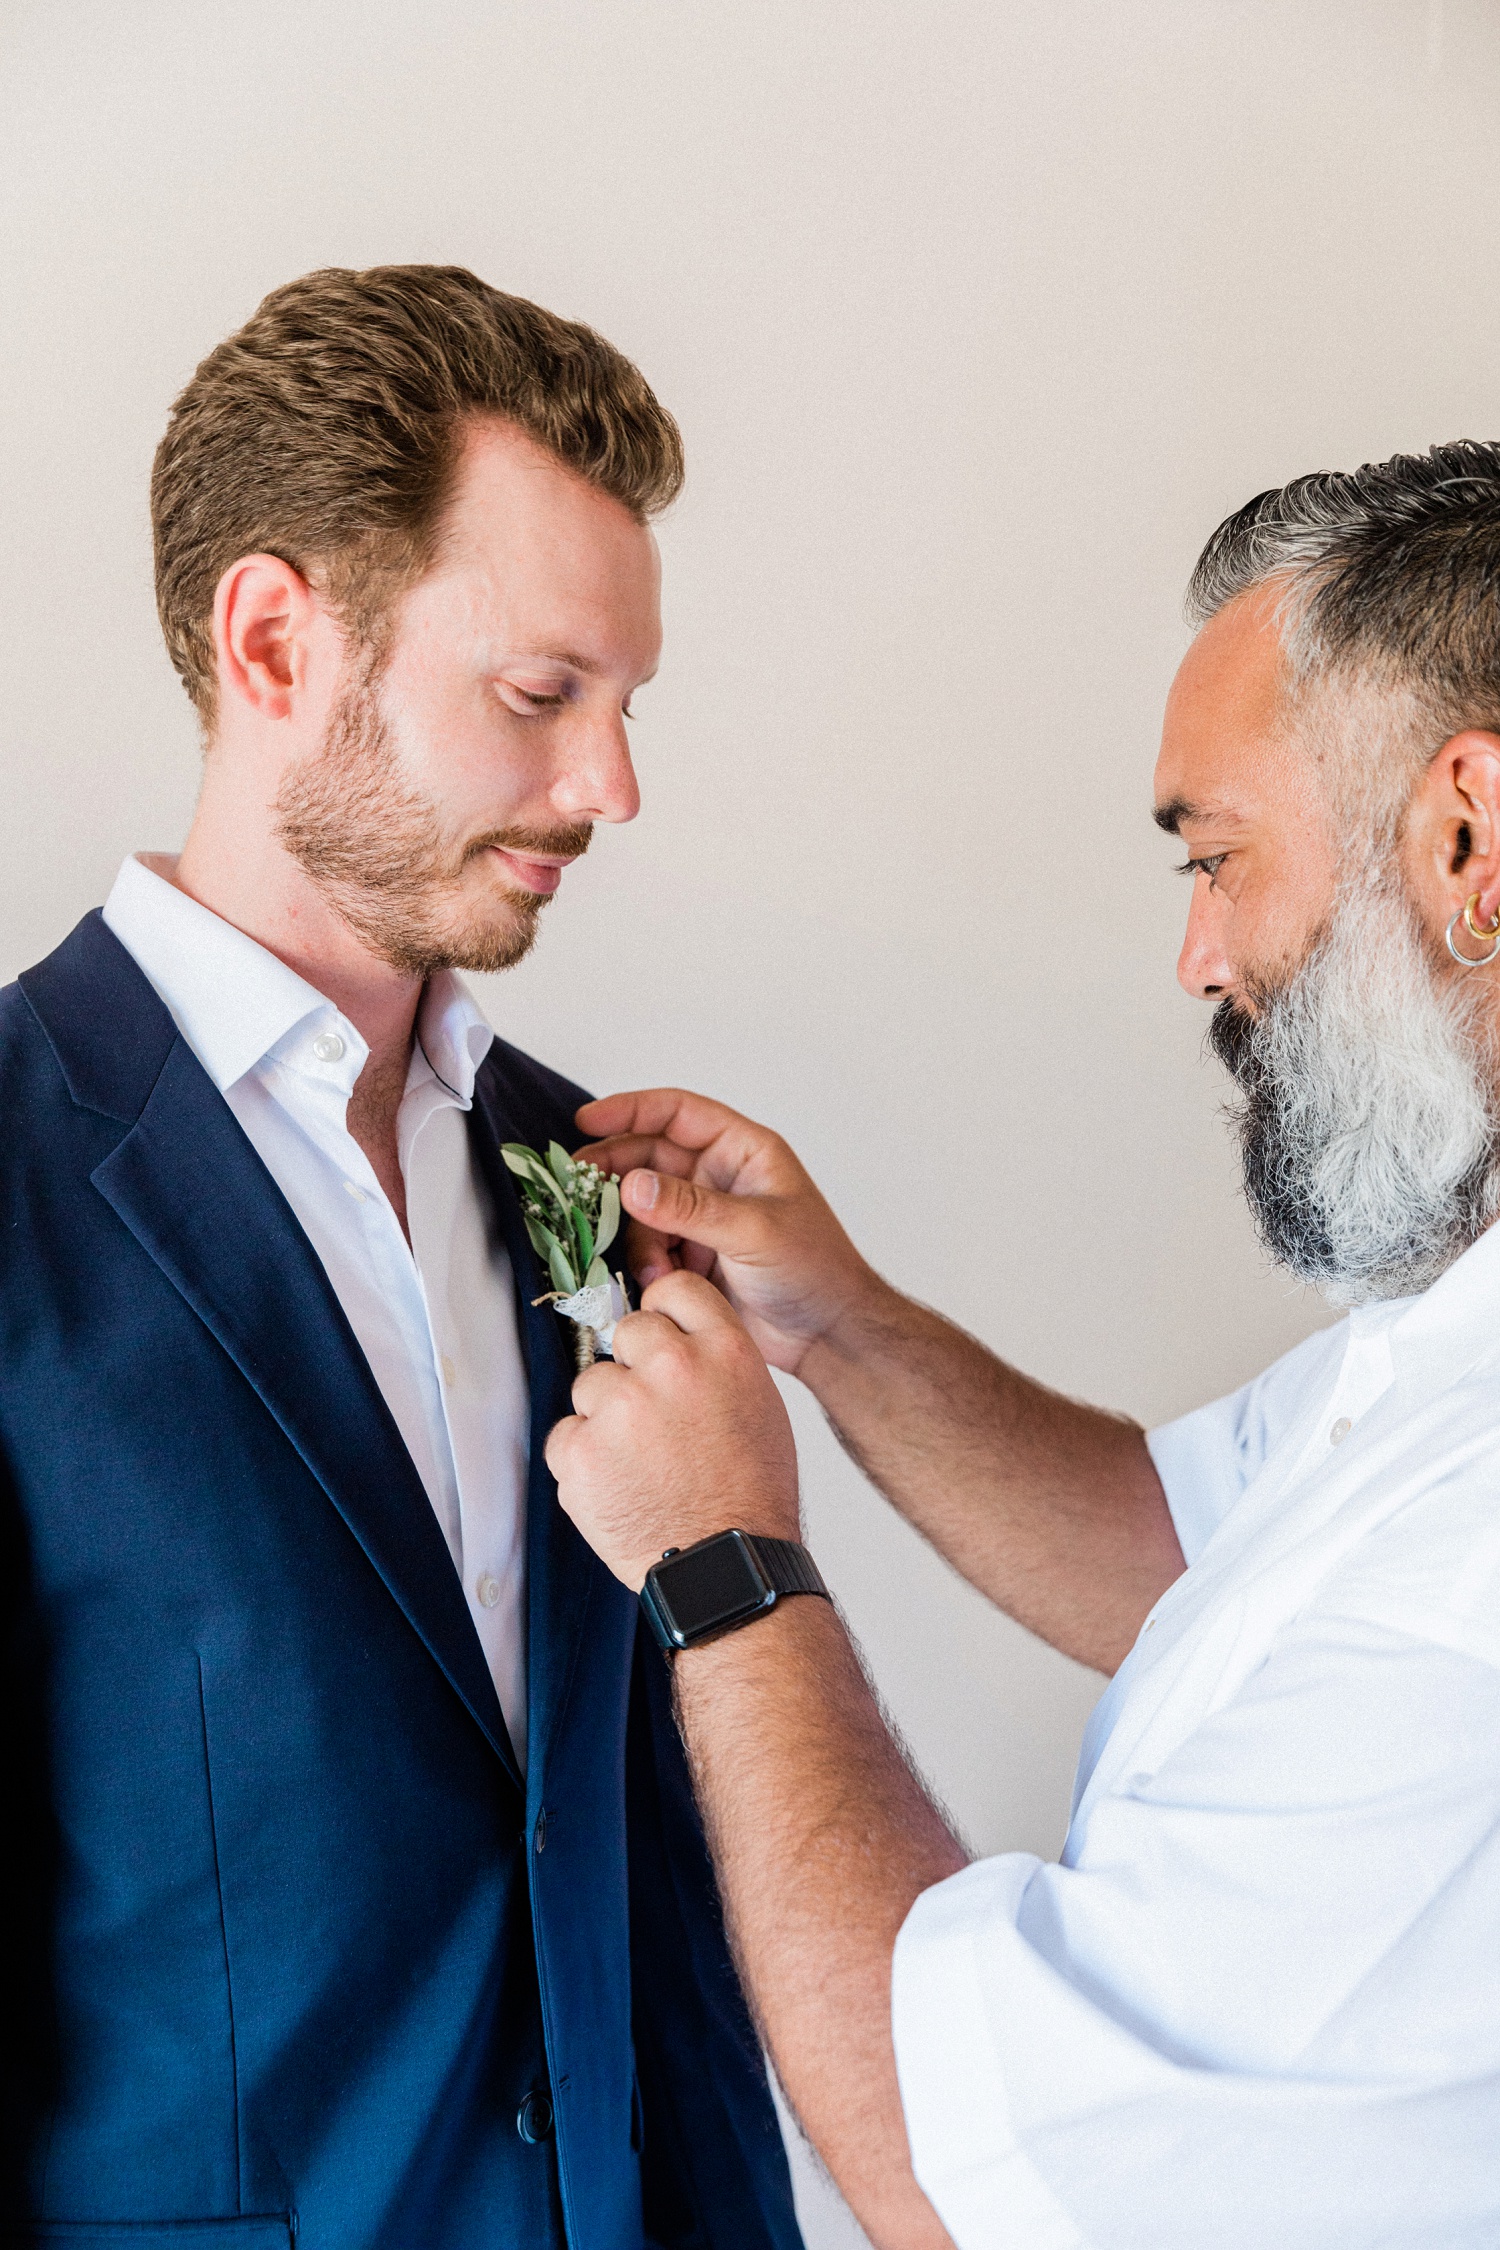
231 999
453 1038
1440 1334
236 1004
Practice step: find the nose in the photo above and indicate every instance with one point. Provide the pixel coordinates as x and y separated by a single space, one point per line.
596 775
1203 966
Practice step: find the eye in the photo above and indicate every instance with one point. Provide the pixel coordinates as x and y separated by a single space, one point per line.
1209 867
524 701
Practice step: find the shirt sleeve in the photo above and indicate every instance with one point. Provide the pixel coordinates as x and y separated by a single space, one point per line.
1262 2005
1207 1458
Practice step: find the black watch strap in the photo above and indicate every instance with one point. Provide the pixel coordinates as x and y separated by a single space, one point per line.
790 1567
697 1593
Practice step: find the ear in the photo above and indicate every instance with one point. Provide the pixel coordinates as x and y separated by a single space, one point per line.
263 613
1452 842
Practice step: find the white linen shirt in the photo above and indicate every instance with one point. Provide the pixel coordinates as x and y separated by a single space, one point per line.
436 1320
1258 2001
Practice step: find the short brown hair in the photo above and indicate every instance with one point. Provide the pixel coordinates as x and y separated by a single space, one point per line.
326 431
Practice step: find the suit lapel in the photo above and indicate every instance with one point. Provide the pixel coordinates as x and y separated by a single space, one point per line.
564 1577
187 1183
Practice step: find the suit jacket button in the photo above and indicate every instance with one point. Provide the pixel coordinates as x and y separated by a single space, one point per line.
534 2118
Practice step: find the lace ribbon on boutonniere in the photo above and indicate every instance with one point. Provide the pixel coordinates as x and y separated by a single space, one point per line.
572 1214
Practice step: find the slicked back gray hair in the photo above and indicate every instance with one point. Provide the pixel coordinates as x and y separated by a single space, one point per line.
1390 575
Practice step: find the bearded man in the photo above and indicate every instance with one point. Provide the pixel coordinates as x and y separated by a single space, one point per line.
361 1898
1257 2002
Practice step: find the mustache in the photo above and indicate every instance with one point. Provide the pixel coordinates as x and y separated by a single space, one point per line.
1236 1032
1231 1038
569 842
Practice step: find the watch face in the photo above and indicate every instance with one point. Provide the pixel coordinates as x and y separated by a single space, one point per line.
710 1586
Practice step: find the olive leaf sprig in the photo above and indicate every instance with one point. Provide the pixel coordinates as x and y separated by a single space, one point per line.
572 1214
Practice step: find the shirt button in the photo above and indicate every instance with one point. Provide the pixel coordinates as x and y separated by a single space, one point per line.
358 1193
1340 1430
328 1046
488 1589
450 1372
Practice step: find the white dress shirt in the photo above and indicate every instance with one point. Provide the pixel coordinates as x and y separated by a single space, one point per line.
1257 2004
435 1320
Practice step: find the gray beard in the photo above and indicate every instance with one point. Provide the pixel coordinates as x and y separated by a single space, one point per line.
1364 1107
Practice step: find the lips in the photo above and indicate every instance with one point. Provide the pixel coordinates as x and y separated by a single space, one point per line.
540 875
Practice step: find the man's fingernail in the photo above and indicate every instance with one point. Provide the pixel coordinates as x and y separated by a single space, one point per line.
648 1190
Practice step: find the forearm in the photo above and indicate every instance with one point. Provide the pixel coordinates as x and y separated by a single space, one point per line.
822 1838
1052 1509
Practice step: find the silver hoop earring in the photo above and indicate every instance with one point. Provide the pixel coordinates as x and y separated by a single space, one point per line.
1463 959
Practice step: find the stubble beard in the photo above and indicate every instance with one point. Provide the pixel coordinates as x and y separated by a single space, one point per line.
1365 1104
377 852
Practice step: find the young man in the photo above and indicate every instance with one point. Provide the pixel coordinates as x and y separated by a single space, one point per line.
1257 2002
362 1898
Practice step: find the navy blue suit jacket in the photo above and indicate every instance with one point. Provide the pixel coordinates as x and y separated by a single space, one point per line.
292 1943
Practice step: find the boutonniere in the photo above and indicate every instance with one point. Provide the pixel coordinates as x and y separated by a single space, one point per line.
572 1215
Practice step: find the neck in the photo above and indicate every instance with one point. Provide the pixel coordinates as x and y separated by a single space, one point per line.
234 864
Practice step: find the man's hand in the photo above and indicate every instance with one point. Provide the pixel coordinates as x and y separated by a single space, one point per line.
683 1436
1051 1508
710 1191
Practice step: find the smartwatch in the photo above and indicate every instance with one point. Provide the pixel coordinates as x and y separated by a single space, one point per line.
696 1593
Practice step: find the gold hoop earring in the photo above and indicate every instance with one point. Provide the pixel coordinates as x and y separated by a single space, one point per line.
1473 927
1465 915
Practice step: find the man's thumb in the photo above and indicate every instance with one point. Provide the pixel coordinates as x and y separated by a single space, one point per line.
671 1206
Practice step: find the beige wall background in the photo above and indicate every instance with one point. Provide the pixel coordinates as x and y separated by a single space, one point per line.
977 318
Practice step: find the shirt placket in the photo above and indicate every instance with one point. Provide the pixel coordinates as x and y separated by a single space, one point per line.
438 1201
1365 1375
484 1573
319 1101
420 1103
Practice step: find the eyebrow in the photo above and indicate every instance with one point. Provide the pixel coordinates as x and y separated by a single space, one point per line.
1176 810
567 656
573 662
